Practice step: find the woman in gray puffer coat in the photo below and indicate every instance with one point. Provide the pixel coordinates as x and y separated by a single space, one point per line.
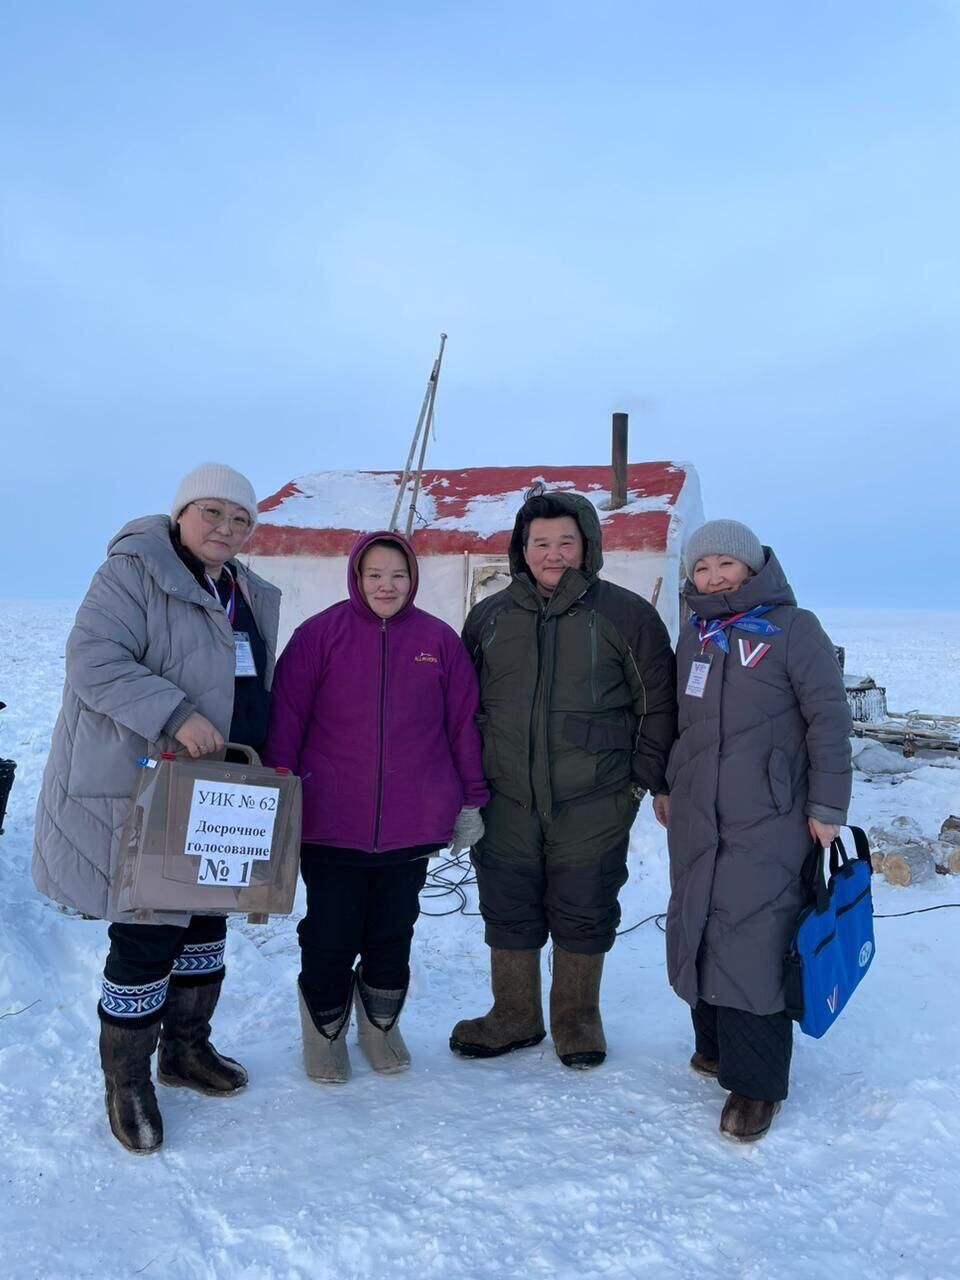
760 770
174 643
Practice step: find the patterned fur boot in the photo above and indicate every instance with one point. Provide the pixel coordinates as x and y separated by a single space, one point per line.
131 1102
187 1059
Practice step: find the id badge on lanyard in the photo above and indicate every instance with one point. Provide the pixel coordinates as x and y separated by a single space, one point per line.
246 663
697 679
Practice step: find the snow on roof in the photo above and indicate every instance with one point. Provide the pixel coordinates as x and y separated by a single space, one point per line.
468 510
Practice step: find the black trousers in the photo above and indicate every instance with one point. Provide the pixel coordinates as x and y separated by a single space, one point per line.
558 878
365 911
753 1049
144 958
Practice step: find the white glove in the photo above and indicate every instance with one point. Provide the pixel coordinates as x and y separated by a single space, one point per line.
467 831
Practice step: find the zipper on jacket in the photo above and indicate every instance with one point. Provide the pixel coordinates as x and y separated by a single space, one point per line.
381 700
535 709
593 656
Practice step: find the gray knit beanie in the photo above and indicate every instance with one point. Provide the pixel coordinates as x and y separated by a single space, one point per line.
724 538
215 480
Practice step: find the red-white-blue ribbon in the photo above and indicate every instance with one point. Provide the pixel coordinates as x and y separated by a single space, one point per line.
750 620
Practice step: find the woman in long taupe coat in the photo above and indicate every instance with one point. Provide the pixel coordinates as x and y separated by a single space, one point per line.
760 770
174 643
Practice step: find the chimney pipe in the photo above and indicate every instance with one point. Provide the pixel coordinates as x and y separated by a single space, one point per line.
618 478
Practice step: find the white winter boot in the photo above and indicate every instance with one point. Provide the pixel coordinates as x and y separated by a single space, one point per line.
325 1056
377 1032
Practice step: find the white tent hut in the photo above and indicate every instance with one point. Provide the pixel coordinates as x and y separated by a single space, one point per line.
462 532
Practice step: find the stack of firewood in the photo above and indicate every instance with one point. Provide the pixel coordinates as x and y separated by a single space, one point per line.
904 855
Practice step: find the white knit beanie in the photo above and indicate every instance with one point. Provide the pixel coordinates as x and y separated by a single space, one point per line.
724 538
215 480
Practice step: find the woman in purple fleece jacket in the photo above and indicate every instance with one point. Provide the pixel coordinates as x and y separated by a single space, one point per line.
373 706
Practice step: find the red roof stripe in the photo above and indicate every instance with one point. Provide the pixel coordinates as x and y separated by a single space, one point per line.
646 531
452 491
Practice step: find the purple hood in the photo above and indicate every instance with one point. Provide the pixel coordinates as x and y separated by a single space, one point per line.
377 717
355 591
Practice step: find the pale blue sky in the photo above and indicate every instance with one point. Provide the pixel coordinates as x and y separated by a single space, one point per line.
235 230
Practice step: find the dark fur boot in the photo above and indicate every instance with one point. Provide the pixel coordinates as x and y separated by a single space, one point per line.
746 1119
187 1059
575 1009
704 1066
516 1019
132 1110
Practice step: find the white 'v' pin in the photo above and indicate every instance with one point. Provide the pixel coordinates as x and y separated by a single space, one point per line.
750 654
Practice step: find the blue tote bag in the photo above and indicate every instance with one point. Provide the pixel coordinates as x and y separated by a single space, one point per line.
833 945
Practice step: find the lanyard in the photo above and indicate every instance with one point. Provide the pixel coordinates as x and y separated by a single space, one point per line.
231 606
707 631
750 620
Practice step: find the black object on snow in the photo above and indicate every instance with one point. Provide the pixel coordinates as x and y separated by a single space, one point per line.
7 769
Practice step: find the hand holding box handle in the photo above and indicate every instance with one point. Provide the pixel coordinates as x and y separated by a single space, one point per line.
241 747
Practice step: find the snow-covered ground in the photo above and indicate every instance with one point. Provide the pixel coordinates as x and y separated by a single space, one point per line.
513 1167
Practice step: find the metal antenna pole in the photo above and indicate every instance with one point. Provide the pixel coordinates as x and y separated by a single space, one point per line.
405 478
429 401
426 416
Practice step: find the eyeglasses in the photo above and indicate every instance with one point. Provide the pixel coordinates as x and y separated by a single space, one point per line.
214 516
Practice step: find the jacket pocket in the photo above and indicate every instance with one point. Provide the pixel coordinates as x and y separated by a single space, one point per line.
781 783
103 758
612 731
